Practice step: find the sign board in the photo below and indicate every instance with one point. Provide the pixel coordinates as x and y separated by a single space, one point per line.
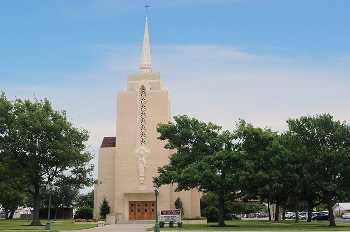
170 215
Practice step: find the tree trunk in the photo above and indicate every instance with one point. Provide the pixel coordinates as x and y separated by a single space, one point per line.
331 215
284 213
36 208
277 212
309 213
269 210
221 210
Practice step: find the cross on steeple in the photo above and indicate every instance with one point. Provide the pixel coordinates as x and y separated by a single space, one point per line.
147 5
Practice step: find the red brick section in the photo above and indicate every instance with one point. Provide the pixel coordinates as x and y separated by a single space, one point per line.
108 142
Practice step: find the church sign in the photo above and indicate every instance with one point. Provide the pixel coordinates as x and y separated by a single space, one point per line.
170 215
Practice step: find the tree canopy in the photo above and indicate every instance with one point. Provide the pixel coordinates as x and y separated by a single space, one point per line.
327 144
307 164
44 145
205 158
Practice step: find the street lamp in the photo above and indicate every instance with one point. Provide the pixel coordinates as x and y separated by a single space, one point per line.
156 191
48 224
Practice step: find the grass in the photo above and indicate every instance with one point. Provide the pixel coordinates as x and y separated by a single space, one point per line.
246 225
59 225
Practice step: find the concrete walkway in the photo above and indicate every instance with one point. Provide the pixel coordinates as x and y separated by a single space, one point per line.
117 228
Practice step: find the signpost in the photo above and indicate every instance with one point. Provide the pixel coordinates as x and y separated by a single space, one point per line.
156 226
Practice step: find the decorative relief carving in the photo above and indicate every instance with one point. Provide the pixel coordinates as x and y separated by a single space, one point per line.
141 155
143 115
142 151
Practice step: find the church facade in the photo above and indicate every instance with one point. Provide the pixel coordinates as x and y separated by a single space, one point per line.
128 162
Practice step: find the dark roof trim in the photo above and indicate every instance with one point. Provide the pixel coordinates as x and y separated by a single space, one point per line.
108 142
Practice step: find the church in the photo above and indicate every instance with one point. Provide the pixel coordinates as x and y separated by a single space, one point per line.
128 162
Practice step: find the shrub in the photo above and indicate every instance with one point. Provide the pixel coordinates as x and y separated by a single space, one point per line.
171 224
212 214
104 209
161 224
83 213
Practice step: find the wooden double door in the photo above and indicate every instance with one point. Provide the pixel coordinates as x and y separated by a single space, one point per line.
142 210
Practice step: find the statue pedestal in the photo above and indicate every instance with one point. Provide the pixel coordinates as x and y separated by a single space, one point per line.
110 220
141 188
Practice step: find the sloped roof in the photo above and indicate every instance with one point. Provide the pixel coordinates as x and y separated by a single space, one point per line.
108 142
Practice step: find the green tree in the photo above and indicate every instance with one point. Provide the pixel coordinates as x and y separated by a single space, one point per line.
258 172
271 167
327 143
86 200
243 207
210 208
85 204
205 158
11 197
104 209
63 195
11 190
45 146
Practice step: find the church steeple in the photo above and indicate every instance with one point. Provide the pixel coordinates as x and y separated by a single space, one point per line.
146 65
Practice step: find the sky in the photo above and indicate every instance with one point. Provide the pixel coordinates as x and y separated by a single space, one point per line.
263 61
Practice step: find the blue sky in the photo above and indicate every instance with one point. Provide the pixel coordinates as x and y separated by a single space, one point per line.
42 39
260 60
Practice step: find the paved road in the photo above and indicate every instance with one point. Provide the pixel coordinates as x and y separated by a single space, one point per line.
117 228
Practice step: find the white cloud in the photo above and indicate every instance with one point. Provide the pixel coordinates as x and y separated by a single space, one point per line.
211 82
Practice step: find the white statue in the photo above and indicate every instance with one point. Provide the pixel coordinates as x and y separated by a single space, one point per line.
142 166
141 163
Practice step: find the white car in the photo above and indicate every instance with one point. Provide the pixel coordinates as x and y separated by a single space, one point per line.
346 216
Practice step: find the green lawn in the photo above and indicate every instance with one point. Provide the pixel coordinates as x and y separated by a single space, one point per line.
264 226
23 225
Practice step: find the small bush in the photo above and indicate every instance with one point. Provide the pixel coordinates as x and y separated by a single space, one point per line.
212 214
104 209
171 224
83 213
179 224
161 224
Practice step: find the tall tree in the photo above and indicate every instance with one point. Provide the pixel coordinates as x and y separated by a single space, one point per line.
11 191
259 174
327 142
271 168
205 157
45 146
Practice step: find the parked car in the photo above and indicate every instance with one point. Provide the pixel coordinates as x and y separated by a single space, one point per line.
321 216
302 215
290 215
346 216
